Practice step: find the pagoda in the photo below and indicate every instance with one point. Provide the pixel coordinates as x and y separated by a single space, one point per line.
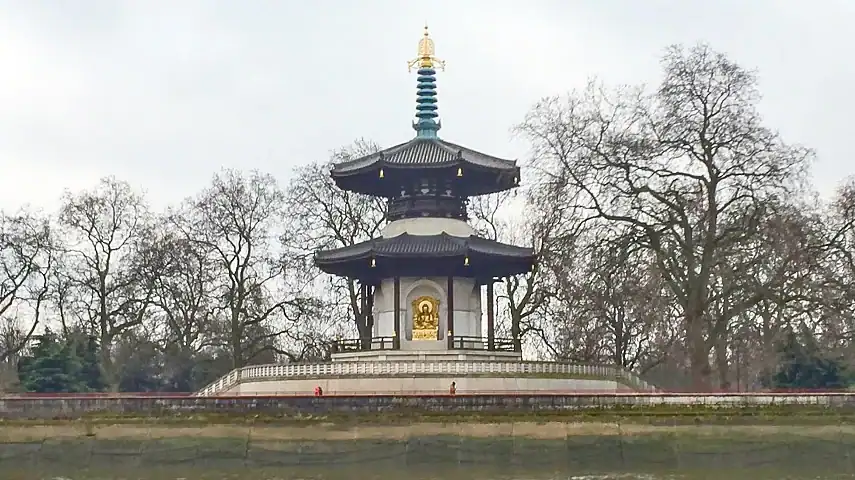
421 281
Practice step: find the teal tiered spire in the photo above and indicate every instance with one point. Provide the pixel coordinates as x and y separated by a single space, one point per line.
426 124
426 108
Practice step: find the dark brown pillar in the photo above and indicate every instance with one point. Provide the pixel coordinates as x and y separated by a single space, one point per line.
363 316
450 312
515 333
491 317
397 294
370 306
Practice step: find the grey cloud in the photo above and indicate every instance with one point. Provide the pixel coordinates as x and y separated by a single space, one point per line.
164 93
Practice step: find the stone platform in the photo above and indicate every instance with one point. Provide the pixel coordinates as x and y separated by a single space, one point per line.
425 372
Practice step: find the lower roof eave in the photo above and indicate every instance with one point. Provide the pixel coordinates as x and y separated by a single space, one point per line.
408 246
385 269
368 182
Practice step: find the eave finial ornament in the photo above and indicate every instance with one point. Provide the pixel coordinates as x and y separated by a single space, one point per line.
426 55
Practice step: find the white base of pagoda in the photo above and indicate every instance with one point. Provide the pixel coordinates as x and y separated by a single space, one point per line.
467 309
404 373
427 226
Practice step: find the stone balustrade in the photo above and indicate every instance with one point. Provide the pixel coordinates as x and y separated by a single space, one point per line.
377 369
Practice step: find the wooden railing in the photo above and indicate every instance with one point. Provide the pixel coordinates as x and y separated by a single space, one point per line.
481 343
426 205
363 344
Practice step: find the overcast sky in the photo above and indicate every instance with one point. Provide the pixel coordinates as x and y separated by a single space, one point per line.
165 92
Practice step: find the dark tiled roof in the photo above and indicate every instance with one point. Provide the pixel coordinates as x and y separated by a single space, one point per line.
406 245
425 152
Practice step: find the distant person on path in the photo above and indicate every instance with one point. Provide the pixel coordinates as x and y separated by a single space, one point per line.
452 390
319 392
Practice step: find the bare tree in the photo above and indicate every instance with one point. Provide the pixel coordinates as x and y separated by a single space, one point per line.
673 166
619 292
237 223
557 235
841 224
26 257
184 292
840 266
323 216
184 310
521 299
107 286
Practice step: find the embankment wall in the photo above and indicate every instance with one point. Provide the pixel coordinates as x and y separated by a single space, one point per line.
74 407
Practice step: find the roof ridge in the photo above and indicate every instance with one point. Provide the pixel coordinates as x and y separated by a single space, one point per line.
449 147
401 146
379 153
457 147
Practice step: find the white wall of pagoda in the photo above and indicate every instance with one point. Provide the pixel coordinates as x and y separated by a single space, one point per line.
427 226
467 309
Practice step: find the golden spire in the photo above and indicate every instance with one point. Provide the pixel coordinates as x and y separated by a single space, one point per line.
426 58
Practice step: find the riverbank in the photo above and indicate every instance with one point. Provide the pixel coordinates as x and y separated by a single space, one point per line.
514 443
105 431
465 450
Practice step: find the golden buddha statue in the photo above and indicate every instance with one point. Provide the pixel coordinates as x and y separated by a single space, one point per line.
425 318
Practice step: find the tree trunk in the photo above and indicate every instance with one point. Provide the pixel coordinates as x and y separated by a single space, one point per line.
515 331
699 359
235 341
722 363
108 367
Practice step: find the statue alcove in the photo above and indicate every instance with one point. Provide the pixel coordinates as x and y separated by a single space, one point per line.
420 294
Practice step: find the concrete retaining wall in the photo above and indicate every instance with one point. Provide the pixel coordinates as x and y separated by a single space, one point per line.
73 407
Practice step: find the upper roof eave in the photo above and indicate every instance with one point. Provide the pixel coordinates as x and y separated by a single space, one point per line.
423 153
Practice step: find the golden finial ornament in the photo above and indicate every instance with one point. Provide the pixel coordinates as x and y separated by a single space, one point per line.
426 58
